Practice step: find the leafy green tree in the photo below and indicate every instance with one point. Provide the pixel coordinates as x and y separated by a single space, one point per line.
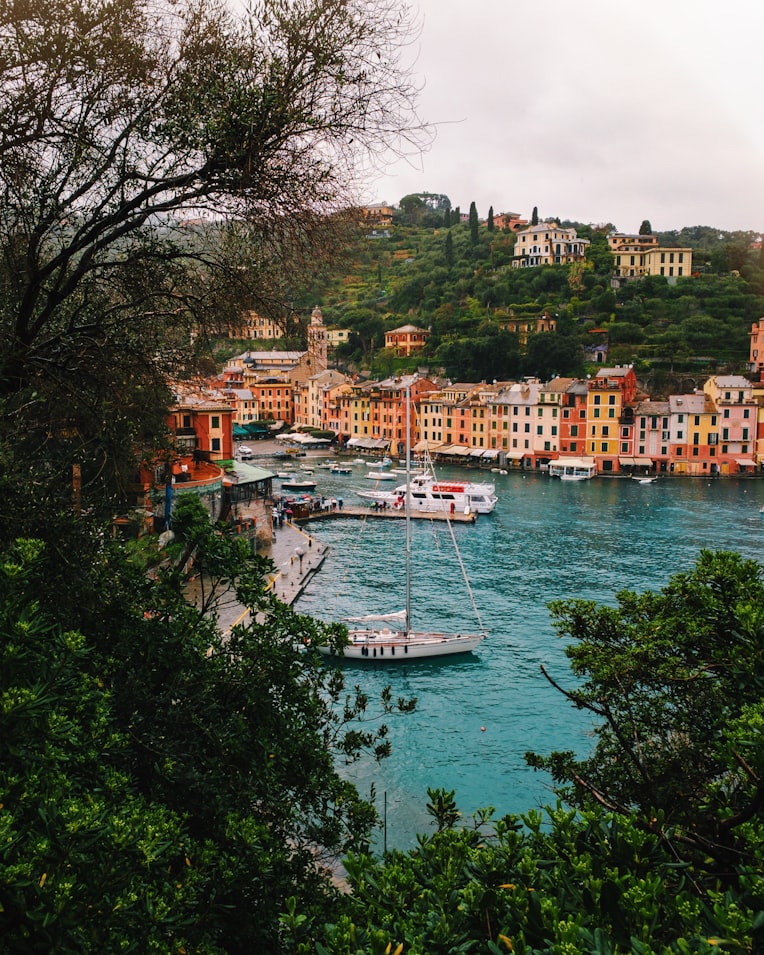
535 216
552 882
675 681
490 224
158 163
165 785
645 228
665 851
551 354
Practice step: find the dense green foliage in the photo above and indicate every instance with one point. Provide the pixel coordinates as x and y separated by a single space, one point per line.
675 681
457 281
166 787
159 162
662 849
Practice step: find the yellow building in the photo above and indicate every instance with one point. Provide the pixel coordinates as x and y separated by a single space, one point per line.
528 325
252 325
637 255
610 417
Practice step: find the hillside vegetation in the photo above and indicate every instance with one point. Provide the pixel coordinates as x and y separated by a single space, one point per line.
458 282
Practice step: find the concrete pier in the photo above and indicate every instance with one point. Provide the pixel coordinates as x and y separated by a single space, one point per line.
381 513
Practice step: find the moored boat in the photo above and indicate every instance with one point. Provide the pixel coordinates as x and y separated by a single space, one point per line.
292 484
573 469
383 644
430 495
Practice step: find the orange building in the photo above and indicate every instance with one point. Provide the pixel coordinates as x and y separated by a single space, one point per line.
202 421
406 340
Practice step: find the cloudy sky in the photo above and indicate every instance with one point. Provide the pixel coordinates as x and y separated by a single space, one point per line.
594 110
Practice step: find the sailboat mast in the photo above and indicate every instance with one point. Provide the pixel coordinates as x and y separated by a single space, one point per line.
408 508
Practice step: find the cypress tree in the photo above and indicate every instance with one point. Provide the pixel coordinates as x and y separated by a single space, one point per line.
449 250
473 222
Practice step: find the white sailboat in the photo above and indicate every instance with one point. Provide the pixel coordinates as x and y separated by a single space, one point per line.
379 642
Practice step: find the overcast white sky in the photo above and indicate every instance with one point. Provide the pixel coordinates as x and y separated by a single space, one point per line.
593 110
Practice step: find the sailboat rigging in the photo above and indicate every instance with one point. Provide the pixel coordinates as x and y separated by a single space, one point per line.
386 645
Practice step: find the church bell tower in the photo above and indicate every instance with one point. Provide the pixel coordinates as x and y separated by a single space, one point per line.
317 347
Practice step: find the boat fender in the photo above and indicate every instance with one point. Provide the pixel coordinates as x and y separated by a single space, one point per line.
405 649
381 651
392 650
375 651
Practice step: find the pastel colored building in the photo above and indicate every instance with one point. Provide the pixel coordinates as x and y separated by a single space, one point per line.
202 422
377 412
635 256
512 421
406 340
528 325
756 348
253 325
548 244
737 409
610 416
573 416
652 436
693 435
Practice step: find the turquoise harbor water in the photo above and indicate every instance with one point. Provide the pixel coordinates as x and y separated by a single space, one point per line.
478 715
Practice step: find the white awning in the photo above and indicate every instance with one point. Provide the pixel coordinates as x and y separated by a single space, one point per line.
491 454
369 444
565 461
515 455
426 445
458 449
627 462
745 462
643 462
476 453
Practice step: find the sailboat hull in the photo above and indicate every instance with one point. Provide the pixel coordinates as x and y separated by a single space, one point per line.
397 646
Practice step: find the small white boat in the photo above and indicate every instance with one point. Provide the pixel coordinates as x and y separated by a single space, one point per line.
338 469
292 484
358 461
284 475
644 480
380 476
573 469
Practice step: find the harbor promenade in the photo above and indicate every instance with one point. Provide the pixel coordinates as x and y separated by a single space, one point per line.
297 556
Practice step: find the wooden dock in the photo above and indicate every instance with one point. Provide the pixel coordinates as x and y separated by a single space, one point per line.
379 513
